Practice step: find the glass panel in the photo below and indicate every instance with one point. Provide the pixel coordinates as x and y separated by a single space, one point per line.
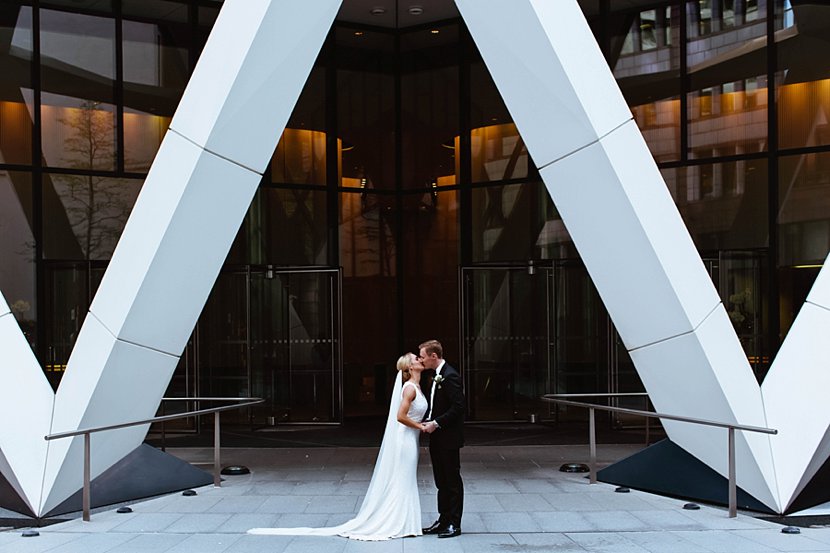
155 73
724 205
300 157
580 334
804 217
743 292
429 106
728 99
77 72
511 222
223 341
366 108
369 257
17 250
69 291
430 252
287 227
293 347
497 150
649 77
84 215
504 331
803 46
166 10
104 6
16 88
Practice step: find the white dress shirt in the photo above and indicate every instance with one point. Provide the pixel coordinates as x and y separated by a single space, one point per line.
432 389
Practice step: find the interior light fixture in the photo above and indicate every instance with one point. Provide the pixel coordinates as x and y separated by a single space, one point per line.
415 10
815 266
435 31
358 33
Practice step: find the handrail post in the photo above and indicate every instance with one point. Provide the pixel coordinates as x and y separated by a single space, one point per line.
86 492
217 481
592 440
733 491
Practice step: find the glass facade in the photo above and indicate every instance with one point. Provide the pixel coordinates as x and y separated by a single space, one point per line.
401 203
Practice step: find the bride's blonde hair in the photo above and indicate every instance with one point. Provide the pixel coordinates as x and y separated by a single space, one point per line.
404 364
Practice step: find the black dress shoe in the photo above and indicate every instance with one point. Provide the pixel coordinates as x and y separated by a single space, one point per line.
450 531
436 528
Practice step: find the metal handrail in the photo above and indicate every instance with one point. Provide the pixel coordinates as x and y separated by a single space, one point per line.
592 438
87 433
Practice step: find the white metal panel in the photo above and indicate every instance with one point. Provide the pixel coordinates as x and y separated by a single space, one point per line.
250 74
629 233
795 393
549 70
173 246
705 374
26 400
107 382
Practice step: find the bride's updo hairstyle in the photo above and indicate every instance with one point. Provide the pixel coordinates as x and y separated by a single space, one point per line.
404 364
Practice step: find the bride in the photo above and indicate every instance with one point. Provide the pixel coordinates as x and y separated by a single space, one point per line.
391 508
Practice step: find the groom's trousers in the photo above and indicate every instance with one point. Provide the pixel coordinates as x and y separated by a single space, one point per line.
446 468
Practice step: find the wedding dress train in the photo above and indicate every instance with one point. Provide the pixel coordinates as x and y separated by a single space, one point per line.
391 508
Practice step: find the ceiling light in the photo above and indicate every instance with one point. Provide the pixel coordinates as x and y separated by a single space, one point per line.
377 11
435 31
358 33
415 10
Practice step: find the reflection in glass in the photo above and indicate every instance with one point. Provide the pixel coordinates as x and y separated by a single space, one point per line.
84 215
804 216
293 346
724 205
286 227
155 74
16 90
430 249
504 325
366 108
649 75
17 250
498 153
429 105
300 158
368 255
497 150
803 93
511 222
77 71
69 291
727 105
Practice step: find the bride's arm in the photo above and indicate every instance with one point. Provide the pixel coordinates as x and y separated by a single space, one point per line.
406 402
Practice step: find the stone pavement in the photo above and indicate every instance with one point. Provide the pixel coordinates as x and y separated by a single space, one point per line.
516 500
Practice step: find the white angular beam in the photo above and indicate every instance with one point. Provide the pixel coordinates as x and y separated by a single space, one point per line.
627 229
795 393
206 172
25 395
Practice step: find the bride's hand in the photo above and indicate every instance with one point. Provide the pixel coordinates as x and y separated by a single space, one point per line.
423 427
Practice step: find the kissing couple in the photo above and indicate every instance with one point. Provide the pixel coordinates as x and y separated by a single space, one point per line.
392 506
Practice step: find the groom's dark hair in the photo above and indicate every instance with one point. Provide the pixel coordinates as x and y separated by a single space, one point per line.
433 346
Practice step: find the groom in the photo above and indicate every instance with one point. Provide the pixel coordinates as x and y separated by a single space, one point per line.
445 425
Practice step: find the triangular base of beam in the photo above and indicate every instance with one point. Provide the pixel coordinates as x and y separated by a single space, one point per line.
666 469
9 499
146 472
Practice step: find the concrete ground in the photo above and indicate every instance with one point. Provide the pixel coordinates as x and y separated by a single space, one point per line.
516 500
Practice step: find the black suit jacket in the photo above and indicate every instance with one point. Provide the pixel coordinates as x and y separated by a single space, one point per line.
448 409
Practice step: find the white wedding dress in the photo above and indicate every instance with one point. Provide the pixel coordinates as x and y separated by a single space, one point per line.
391 508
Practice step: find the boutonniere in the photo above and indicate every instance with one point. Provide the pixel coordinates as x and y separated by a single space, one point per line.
438 380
